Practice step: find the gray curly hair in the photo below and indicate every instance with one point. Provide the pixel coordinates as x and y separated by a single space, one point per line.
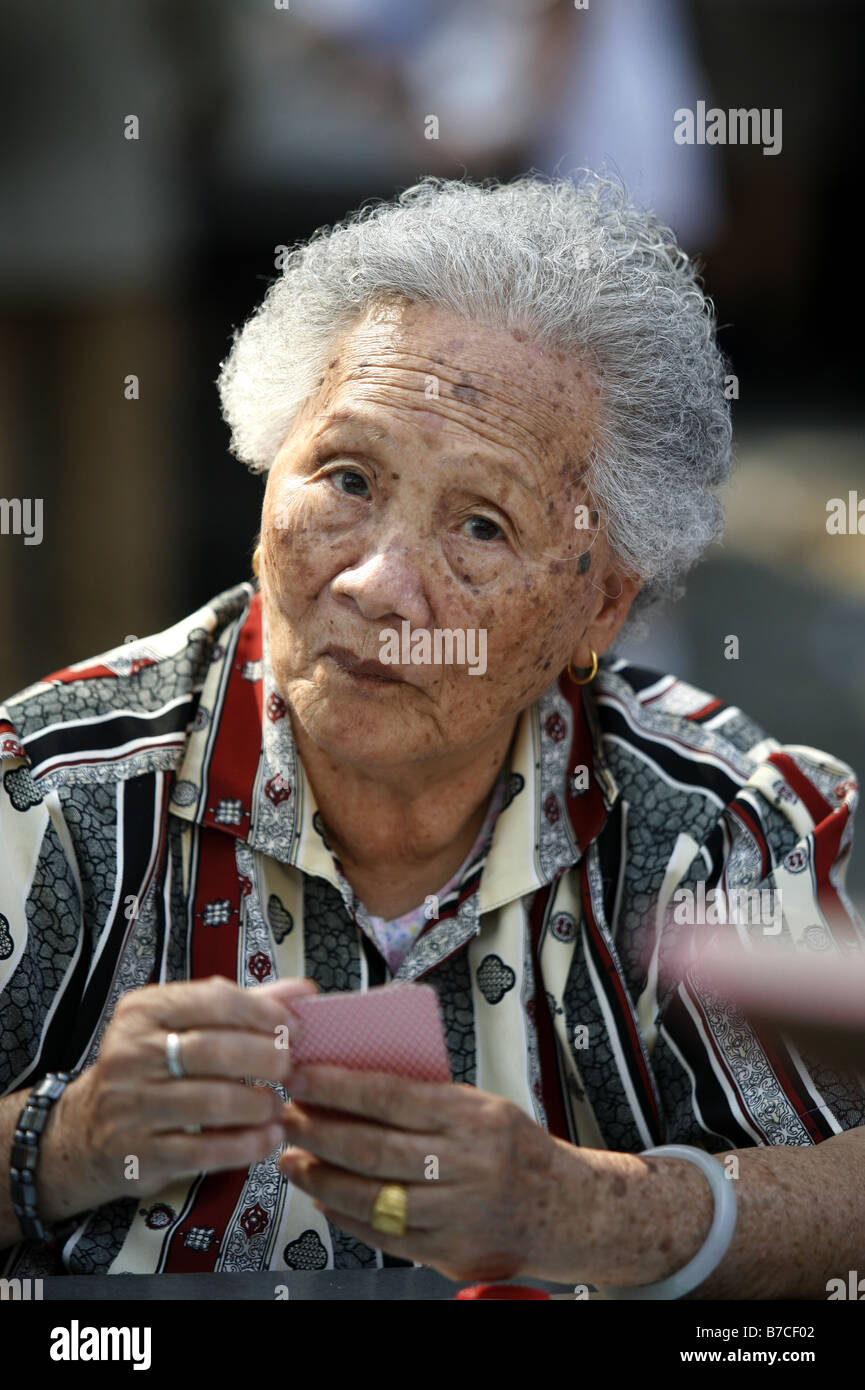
580 268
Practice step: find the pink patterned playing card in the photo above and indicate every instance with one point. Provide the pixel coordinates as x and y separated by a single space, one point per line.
391 1028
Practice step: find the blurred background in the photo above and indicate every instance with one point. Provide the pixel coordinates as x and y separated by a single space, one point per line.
258 122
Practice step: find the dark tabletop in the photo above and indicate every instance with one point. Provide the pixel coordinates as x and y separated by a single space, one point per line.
272 1285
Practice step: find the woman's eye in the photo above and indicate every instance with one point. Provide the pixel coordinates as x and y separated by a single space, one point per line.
349 481
482 528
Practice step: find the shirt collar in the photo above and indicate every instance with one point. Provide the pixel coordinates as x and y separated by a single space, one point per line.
241 774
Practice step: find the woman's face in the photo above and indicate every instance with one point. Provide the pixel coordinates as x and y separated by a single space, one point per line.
433 481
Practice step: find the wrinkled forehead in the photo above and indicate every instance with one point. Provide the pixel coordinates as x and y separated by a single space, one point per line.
441 372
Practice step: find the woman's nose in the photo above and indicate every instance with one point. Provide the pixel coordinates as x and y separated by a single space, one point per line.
387 583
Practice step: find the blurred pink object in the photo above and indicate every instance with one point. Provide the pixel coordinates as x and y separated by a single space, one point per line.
816 1000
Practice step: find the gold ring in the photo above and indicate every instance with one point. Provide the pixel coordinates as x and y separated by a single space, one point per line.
389 1210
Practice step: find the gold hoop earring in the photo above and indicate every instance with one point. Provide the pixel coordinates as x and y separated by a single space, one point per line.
592 674
256 560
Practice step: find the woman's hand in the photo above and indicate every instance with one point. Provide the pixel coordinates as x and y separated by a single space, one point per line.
127 1105
483 1180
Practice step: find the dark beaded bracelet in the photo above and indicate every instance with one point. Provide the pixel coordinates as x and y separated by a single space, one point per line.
25 1151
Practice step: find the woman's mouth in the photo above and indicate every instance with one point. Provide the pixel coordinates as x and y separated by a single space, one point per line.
368 673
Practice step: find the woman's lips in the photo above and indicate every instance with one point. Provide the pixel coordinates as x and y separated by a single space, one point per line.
366 672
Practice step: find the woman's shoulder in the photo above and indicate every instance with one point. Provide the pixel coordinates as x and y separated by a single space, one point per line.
661 698
124 711
692 737
711 793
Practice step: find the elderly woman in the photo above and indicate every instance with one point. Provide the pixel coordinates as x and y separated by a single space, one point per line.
493 422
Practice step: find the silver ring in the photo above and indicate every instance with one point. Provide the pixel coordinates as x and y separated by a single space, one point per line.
172 1055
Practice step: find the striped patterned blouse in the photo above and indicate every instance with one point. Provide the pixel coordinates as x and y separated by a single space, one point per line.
157 825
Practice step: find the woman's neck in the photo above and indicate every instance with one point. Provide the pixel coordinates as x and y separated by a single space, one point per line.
401 832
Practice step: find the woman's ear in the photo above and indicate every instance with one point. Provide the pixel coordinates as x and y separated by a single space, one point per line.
619 589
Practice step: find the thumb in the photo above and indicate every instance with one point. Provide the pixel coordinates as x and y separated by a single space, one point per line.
284 991
292 988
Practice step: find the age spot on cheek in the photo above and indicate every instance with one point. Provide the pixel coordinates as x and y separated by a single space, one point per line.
583 562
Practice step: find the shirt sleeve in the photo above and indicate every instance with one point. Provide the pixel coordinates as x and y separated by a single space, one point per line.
41 922
779 851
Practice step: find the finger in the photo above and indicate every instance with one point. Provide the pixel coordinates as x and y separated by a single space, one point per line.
206 1052
217 1149
211 1052
354 1197
429 1106
212 1003
414 1245
371 1149
217 1104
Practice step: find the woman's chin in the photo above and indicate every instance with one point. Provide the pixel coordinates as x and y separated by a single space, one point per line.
364 748
354 730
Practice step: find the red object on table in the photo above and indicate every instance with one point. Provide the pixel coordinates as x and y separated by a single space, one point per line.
500 1291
